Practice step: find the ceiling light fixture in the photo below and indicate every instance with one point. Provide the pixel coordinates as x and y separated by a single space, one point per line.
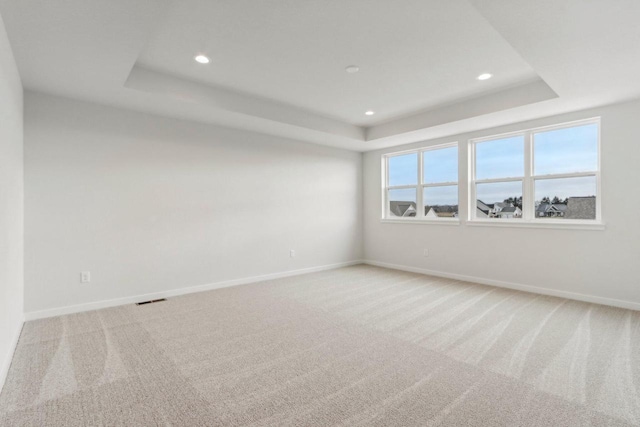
351 69
202 59
370 113
485 76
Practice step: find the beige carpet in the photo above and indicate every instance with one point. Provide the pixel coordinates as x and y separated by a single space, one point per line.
359 346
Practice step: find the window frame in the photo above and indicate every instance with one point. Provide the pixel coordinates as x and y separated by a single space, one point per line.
529 179
419 187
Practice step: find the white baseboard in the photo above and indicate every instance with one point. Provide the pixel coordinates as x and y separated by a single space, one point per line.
243 281
6 363
526 288
33 315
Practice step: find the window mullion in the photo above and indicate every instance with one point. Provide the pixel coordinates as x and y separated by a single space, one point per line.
387 209
419 188
494 180
528 204
471 181
564 175
439 184
402 187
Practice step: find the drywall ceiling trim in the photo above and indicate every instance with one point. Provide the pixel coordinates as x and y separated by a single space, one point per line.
147 80
513 97
168 88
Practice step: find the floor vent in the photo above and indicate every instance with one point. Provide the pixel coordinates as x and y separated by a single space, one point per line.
151 302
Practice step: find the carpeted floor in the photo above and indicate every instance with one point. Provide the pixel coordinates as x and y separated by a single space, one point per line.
358 346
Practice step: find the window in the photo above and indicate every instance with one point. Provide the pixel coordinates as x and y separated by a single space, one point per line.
540 175
422 185
499 172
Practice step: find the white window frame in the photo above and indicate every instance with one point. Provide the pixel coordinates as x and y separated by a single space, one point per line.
529 218
419 187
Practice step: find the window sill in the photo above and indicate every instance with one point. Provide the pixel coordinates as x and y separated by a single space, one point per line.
577 225
448 221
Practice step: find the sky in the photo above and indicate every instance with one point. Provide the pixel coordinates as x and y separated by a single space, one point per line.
566 150
556 151
501 158
439 166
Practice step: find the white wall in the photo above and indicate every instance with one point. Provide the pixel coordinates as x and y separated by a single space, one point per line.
150 204
603 264
11 204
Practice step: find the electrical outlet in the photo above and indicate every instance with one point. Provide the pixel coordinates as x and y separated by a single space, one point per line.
85 277
425 253
292 253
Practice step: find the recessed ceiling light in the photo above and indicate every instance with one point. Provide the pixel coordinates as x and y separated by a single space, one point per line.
370 113
202 59
485 76
351 69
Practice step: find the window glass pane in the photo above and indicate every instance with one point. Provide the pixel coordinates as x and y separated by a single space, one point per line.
402 203
441 202
566 150
441 165
500 158
566 198
502 200
403 170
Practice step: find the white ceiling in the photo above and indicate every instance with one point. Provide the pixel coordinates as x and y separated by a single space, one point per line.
277 67
412 54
